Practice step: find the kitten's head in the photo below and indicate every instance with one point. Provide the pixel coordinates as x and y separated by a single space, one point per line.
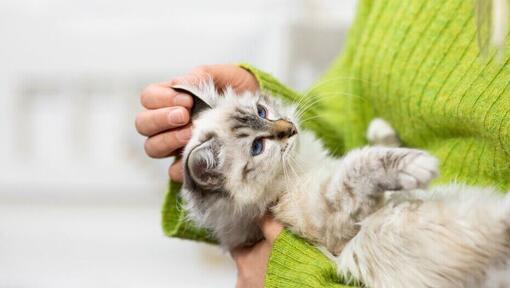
238 148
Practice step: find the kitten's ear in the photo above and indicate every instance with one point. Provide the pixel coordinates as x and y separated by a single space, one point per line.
204 94
203 166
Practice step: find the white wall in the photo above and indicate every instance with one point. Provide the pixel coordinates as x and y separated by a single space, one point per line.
70 74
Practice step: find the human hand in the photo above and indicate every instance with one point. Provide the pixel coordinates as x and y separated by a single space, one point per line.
166 120
251 262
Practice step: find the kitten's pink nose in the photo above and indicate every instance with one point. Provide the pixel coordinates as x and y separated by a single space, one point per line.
283 129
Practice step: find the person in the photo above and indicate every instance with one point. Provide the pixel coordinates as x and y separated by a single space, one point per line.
414 63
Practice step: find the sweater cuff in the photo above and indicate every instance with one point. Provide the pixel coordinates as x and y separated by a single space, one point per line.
295 263
270 85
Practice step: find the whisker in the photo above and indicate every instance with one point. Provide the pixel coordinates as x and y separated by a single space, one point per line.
299 165
285 174
314 99
306 106
292 168
309 105
309 118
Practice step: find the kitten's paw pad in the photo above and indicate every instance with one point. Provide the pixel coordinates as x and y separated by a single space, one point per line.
380 133
417 170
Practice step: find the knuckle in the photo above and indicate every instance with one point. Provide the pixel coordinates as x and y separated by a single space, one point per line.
168 140
154 119
158 146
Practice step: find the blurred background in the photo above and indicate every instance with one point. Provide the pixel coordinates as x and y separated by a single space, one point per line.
79 200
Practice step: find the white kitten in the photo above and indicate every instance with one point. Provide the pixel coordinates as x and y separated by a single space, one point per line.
247 155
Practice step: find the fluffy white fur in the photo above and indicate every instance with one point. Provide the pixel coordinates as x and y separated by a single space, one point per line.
448 236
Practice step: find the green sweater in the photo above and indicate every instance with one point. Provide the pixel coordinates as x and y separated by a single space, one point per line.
416 64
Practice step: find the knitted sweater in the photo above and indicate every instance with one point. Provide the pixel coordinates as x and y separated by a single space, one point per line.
416 64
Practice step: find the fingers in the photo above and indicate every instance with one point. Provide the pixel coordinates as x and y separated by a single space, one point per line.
166 143
270 228
161 95
151 122
223 75
176 171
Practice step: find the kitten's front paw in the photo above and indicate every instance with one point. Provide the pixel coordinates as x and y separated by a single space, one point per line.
416 169
380 133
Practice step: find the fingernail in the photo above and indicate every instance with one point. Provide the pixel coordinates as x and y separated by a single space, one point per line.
183 100
177 116
183 135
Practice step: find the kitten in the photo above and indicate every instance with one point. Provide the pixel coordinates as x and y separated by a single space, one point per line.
248 155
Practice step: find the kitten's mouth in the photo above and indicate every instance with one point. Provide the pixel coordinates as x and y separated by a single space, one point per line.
289 145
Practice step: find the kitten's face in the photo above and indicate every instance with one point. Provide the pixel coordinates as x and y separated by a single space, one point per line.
239 148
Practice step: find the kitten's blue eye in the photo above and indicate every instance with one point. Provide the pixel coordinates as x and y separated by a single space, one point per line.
261 111
257 147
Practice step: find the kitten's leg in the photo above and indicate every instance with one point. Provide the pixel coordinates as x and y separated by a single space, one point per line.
380 133
357 189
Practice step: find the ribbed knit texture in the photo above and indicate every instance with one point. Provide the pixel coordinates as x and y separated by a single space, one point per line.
416 64
174 220
295 263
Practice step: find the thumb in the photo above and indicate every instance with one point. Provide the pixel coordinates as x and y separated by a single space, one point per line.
270 228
